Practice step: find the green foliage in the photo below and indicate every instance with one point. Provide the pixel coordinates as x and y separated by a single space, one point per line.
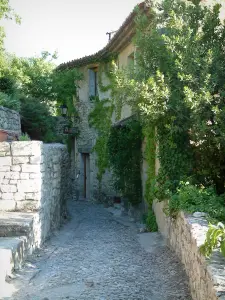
37 121
215 239
38 89
124 148
150 221
9 101
24 137
191 198
33 75
64 88
7 85
182 43
150 157
100 119
177 86
6 12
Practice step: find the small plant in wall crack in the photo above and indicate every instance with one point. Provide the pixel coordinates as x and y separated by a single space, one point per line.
24 137
215 239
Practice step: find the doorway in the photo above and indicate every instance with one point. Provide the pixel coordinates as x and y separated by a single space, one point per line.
85 175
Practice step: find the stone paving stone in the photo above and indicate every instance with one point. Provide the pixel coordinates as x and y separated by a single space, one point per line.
95 257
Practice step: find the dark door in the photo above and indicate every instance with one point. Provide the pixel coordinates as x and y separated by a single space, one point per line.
85 160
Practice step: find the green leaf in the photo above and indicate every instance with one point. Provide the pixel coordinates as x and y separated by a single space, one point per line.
222 247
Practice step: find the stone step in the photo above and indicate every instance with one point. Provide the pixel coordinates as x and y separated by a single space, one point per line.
16 224
13 251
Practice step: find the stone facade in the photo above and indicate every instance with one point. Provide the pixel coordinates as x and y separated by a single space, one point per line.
184 235
84 146
35 177
87 137
10 120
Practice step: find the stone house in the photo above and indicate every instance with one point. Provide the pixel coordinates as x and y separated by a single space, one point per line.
120 44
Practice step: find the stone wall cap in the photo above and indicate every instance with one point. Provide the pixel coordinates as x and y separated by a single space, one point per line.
6 109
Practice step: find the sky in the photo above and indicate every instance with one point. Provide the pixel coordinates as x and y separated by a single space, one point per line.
73 28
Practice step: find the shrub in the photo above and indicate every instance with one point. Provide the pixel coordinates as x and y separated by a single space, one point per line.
9 101
150 221
191 198
36 120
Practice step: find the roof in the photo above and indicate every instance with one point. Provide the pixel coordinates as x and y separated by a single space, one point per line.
118 42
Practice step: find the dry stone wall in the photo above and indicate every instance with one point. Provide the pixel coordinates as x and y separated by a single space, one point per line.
10 120
184 235
34 177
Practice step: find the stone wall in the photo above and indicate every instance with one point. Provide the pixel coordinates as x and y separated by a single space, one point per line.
184 235
85 143
35 177
10 120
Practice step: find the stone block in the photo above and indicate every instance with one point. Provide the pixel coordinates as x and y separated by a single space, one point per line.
20 160
5 168
8 188
19 196
7 205
36 160
29 196
12 175
7 196
56 168
28 186
16 168
33 196
24 176
4 149
27 205
5 181
13 182
28 148
35 175
30 168
5 161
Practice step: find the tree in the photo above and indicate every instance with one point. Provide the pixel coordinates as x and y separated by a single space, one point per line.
178 86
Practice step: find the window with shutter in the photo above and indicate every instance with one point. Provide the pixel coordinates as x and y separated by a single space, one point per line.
93 89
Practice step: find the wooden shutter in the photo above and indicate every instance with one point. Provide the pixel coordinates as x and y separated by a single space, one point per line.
92 83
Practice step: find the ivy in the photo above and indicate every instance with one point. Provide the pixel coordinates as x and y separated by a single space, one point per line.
150 157
124 147
100 119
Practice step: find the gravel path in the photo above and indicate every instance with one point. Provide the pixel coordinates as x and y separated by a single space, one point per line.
95 256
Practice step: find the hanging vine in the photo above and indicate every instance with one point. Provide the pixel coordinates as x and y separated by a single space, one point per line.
124 147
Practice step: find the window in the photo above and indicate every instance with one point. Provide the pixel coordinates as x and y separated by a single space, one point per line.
93 83
130 60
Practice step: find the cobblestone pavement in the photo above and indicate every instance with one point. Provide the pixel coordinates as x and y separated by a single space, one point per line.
96 257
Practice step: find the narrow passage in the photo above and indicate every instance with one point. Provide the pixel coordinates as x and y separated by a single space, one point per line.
96 257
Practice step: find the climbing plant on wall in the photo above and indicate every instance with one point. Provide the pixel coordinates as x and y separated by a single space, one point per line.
100 119
117 148
177 86
124 148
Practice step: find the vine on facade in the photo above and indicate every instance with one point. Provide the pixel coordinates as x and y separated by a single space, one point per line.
124 147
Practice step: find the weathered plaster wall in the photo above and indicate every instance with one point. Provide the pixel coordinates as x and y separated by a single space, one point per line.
184 235
88 135
123 61
86 141
35 177
10 120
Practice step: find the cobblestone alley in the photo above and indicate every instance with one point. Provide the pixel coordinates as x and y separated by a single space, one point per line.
96 256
